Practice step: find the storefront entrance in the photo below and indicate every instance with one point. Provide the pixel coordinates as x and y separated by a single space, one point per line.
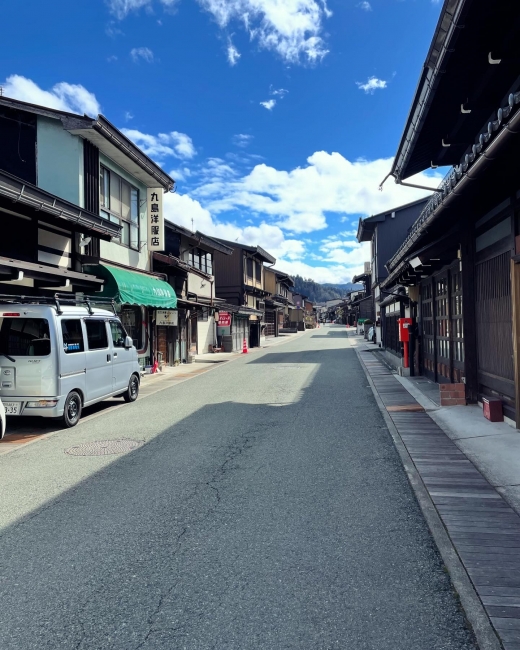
270 322
442 343
493 309
254 334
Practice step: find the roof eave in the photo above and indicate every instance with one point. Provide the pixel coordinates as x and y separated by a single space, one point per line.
113 135
19 191
427 83
83 124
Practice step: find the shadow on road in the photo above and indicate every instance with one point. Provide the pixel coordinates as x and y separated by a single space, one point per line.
240 526
37 425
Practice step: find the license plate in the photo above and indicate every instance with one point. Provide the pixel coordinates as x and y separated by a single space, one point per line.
12 408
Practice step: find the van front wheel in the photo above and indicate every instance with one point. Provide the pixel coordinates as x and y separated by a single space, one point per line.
130 395
72 410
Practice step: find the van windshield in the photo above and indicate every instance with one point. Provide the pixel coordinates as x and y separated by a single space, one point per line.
25 337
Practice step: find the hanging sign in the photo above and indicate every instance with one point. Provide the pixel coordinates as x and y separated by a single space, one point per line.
167 317
155 220
224 319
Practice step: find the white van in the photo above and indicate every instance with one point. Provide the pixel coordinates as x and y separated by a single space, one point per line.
56 358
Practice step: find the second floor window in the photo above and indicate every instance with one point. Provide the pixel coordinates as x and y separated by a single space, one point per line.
119 202
258 272
201 260
249 267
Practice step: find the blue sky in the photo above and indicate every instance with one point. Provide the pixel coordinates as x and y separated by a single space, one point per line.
277 118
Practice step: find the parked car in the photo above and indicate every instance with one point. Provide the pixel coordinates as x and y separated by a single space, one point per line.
3 423
57 359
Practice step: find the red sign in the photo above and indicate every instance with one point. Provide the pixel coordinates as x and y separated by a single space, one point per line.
224 319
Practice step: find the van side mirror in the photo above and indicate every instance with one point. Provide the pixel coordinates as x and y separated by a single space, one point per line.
128 342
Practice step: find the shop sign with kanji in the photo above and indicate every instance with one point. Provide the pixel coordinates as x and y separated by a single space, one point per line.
156 240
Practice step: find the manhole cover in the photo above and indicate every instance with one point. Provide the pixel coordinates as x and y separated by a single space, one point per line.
104 447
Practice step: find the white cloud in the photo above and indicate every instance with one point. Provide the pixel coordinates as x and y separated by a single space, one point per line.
242 140
121 8
291 28
269 104
296 201
63 96
300 200
112 30
111 58
335 274
188 212
232 53
366 6
128 116
141 53
180 174
372 84
289 253
163 145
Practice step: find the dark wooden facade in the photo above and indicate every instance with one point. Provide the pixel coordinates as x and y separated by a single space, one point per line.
239 280
461 255
39 251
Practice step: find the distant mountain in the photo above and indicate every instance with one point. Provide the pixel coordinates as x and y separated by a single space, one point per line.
322 292
349 286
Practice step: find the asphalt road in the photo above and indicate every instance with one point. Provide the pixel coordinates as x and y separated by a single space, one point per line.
267 509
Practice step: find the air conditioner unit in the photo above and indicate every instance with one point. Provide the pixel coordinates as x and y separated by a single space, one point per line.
368 268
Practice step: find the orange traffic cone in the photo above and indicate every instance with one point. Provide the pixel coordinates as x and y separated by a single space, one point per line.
244 347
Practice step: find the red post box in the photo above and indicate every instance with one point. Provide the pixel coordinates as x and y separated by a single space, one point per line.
404 337
404 331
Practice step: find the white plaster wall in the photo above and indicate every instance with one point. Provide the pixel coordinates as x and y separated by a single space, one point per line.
59 161
199 285
205 335
113 252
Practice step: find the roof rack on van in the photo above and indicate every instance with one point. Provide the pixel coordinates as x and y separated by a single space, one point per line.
57 300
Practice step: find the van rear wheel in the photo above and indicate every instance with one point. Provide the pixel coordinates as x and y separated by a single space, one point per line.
130 395
72 410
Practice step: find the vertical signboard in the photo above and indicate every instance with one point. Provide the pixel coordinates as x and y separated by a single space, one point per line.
155 220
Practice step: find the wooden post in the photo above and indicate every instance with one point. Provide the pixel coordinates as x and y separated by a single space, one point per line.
515 296
434 320
469 327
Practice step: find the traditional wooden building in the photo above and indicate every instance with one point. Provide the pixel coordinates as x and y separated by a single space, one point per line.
189 264
460 258
278 301
92 182
240 281
42 239
385 232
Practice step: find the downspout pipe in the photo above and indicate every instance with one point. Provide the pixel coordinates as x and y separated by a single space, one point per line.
419 187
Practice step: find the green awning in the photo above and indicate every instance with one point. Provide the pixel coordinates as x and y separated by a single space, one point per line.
132 288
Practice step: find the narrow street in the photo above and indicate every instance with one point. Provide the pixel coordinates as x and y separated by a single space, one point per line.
267 508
